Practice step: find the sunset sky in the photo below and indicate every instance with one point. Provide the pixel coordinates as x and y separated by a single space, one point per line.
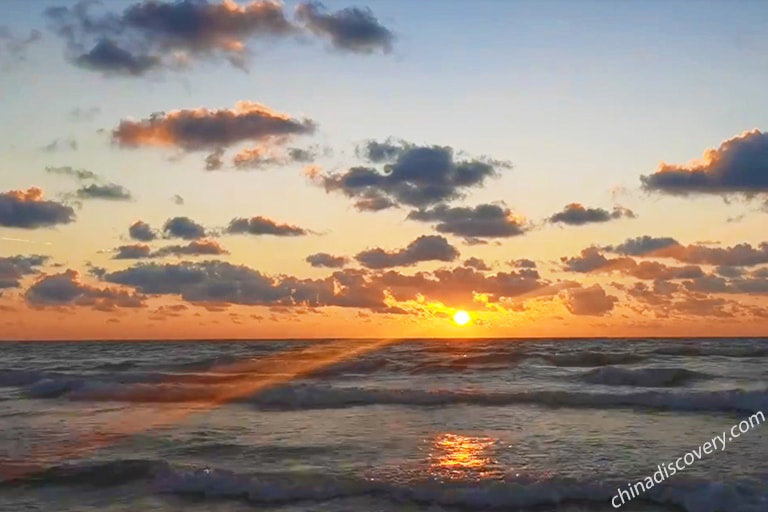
262 169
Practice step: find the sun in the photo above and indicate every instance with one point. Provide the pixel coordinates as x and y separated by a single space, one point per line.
461 317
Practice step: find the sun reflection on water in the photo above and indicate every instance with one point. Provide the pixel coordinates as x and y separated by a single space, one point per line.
459 457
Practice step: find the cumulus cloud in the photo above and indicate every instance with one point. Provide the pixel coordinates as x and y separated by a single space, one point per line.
419 176
739 255
204 129
738 166
523 263
263 226
575 214
641 245
424 248
77 174
66 289
352 29
323 259
193 248
27 209
224 283
132 252
591 301
478 222
476 263
14 268
593 260
183 227
177 199
154 35
141 231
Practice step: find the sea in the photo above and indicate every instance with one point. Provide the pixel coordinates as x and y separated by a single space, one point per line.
380 425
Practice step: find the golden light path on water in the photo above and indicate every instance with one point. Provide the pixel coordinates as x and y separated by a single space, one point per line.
267 372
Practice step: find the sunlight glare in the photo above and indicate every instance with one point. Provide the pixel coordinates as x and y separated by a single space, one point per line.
461 317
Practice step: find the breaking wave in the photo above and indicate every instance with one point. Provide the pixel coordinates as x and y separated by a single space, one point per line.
281 488
642 377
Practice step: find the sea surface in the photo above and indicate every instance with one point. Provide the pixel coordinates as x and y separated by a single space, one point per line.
369 425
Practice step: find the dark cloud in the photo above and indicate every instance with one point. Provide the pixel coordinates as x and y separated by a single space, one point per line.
476 263
66 289
592 260
263 226
717 284
109 191
591 301
385 151
210 130
303 155
224 283
183 227
641 245
27 209
155 34
141 231
60 144
740 255
419 176
351 29
132 252
193 248
323 259
523 263
424 248
575 214
177 199
481 221
14 268
738 166
108 57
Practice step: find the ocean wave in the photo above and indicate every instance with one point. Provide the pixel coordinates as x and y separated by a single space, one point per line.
642 377
308 396
590 359
523 493
704 351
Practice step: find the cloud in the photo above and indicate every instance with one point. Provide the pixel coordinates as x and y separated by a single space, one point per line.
177 199
738 166
591 301
259 157
476 263
28 210
141 231
419 176
98 189
351 29
481 221
592 260
66 289
575 214
323 259
153 34
131 252
211 130
642 245
13 48
224 283
109 191
424 248
14 268
523 263
78 174
263 226
60 145
193 248
183 227
739 255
